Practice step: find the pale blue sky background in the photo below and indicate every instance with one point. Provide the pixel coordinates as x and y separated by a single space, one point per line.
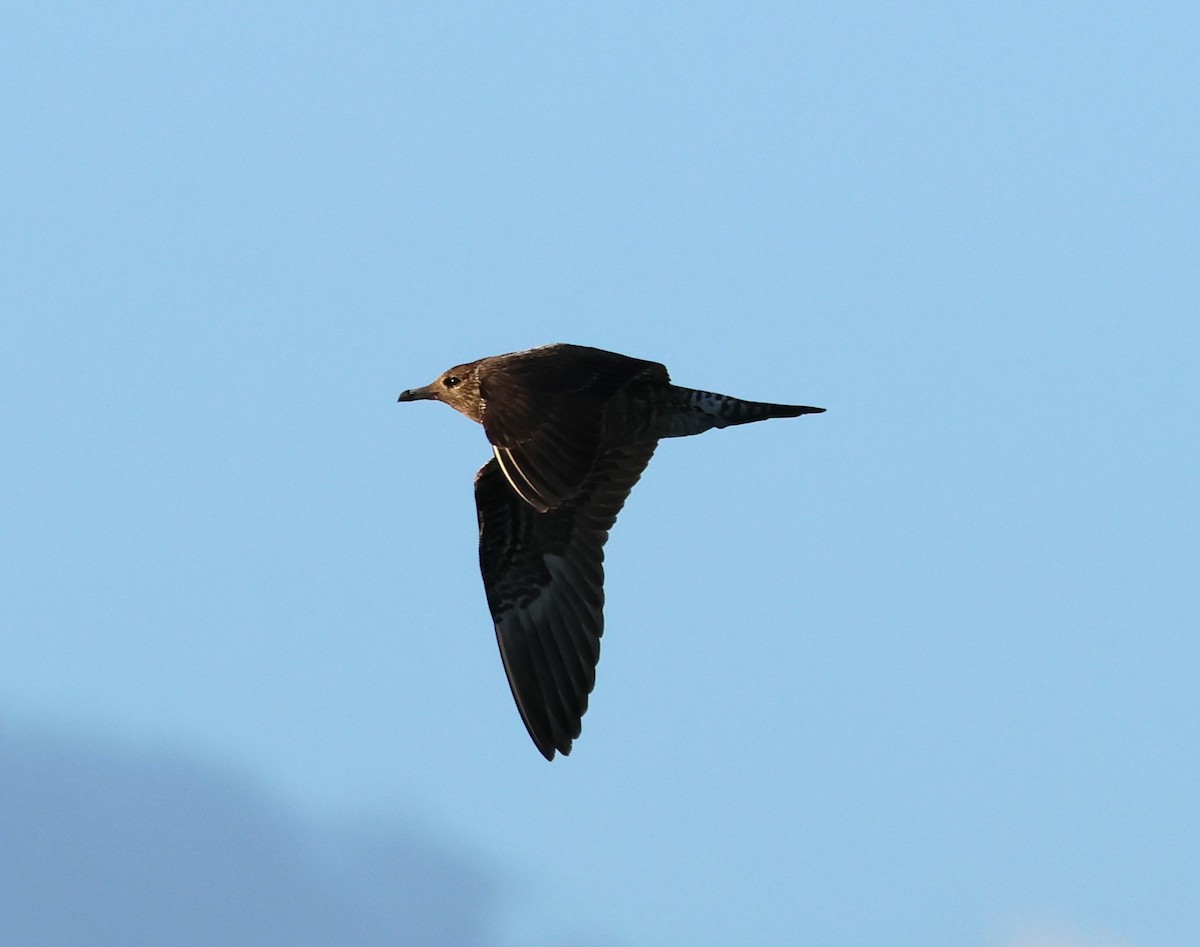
918 671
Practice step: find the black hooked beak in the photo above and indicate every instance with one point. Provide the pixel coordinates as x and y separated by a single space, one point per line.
418 394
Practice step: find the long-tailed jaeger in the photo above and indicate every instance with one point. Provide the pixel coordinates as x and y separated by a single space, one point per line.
571 428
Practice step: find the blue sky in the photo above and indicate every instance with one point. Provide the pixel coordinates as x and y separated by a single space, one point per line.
920 670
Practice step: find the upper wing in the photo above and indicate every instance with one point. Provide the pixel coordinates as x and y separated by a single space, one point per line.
544 578
544 415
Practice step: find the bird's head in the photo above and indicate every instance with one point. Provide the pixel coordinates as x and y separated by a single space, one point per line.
457 387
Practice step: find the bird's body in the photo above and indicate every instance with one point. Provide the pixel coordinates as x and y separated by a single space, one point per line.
571 428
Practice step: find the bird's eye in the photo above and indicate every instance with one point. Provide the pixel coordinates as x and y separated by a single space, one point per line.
451 381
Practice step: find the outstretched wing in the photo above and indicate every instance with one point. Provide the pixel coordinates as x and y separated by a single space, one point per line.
544 415
544 578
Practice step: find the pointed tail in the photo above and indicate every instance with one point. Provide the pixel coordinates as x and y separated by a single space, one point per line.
693 412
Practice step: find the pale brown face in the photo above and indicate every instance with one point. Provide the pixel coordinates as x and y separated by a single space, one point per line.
457 387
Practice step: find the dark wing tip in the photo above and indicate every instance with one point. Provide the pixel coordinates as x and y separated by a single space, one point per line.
549 749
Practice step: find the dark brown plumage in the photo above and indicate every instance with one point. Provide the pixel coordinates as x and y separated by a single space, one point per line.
571 428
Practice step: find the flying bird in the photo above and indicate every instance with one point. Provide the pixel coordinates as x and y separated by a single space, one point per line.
571 428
